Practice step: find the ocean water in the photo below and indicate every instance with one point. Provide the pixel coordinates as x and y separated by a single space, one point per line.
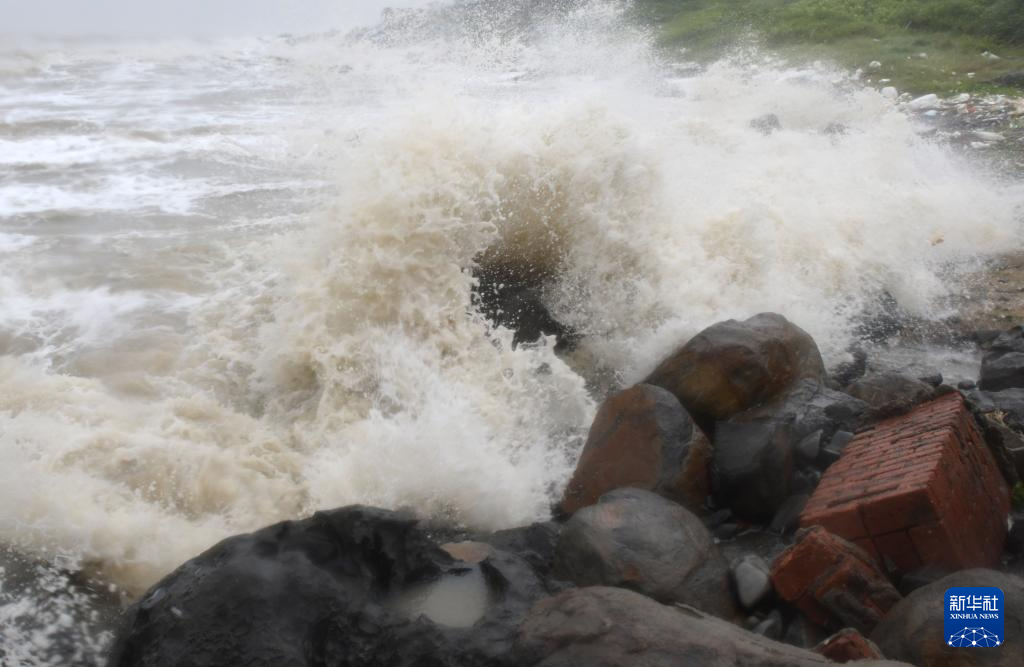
236 277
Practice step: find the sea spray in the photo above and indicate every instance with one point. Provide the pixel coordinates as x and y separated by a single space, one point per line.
310 338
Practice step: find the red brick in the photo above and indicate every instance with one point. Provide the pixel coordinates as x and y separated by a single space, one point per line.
921 488
848 645
825 577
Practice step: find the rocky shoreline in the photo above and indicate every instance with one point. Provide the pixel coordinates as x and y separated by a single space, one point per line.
740 506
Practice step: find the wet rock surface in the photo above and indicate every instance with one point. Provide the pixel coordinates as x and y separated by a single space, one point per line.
327 590
1003 365
757 453
642 437
733 366
891 394
619 628
913 629
626 575
638 540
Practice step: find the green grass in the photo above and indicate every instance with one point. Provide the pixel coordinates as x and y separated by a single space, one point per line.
953 34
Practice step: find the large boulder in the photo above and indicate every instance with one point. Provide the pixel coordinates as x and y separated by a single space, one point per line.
914 629
642 437
638 540
733 366
757 451
612 627
355 586
1002 367
891 393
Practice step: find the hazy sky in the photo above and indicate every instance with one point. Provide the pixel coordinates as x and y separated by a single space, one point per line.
187 17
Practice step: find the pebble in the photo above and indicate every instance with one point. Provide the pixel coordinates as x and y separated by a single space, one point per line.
753 581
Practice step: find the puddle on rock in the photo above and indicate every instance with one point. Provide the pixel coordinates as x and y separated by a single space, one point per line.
457 599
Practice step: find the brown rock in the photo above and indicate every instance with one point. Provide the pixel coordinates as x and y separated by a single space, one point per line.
732 366
642 438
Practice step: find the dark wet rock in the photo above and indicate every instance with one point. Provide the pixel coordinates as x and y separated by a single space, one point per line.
757 452
1008 402
753 468
848 371
727 531
1012 79
612 627
638 540
787 519
534 543
1015 540
752 577
766 124
326 590
831 452
643 438
966 385
513 296
913 629
1002 367
921 577
1006 445
1000 416
733 366
771 627
891 394
933 380
802 633
764 544
805 481
809 446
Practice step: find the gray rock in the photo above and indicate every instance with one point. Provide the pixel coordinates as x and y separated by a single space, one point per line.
752 577
752 469
1012 79
834 449
913 629
638 540
1002 367
966 385
611 627
891 393
787 519
933 380
771 627
756 451
809 446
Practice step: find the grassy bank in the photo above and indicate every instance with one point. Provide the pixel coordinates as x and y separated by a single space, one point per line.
923 45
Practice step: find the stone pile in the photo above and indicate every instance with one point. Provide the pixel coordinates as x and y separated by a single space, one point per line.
675 541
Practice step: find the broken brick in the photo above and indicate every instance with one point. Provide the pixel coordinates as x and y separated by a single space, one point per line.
832 581
848 645
915 490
